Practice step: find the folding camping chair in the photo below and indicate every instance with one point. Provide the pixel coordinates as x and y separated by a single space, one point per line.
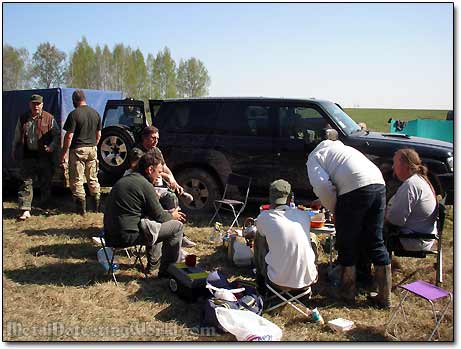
235 184
426 291
110 260
285 296
394 246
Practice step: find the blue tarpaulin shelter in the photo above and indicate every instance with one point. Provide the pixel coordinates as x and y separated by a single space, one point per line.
57 101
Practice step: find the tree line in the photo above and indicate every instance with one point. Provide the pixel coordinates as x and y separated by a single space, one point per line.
121 69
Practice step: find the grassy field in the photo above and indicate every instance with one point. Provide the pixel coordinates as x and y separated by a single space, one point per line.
55 290
376 119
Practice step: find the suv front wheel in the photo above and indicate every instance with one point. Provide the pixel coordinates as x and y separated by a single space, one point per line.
202 186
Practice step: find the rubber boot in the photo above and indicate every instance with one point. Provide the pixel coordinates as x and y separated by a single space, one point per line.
80 206
383 276
96 200
348 289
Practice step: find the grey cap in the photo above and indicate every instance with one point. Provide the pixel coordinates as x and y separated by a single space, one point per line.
36 98
279 191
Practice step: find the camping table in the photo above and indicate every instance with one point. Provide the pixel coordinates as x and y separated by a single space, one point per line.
330 231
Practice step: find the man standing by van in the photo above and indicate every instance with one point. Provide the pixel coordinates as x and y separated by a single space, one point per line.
35 140
83 131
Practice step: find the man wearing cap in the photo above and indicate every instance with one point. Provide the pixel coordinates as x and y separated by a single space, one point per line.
283 251
83 131
35 140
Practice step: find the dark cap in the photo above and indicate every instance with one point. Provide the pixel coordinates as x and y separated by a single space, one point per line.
279 191
36 99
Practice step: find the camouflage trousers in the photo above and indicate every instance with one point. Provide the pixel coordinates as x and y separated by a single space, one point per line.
83 164
38 170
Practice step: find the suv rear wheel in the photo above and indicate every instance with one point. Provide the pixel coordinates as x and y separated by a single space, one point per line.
113 149
202 186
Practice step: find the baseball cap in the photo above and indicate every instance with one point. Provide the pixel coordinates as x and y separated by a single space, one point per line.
36 98
279 191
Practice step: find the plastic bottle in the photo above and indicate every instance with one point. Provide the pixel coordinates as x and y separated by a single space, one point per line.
292 201
316 317
103 260
216 235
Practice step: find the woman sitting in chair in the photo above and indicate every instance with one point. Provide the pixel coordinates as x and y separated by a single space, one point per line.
413 208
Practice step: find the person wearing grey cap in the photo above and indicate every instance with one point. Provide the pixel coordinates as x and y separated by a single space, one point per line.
35 140
283 251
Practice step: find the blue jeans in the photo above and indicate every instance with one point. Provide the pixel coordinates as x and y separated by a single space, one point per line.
359 225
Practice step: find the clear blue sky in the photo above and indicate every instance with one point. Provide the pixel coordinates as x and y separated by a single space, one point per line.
369 55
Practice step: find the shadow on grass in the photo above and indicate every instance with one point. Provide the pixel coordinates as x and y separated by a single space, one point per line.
68 250
59 274
67 274
76 233
367 334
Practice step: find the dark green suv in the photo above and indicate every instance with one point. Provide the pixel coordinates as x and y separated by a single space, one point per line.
205 139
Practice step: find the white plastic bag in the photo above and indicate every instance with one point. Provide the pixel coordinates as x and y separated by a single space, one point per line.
247 326
243 255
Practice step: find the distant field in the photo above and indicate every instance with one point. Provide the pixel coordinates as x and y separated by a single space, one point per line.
376 119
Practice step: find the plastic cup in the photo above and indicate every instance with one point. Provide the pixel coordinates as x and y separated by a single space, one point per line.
191 260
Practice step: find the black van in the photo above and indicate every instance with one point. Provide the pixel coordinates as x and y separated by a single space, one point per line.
205 139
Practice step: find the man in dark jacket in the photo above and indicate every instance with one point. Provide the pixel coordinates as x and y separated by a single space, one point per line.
35 140
134 215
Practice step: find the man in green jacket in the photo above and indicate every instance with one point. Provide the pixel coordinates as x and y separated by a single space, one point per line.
134 215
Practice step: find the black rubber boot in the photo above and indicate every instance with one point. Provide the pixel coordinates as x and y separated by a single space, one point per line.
80 206
95 203
348 288
383 276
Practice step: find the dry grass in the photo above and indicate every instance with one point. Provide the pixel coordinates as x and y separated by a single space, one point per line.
54 289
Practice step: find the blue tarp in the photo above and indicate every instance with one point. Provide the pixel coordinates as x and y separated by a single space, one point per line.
57 101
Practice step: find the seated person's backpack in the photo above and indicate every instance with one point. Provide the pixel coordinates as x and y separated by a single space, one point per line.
234 295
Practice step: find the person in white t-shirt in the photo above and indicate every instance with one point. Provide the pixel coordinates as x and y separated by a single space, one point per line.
413 208
288 261
352 187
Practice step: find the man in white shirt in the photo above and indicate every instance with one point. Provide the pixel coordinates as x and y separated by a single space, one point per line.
350 185
289 258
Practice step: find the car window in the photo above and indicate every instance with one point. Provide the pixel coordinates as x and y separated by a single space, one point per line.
123 115
300 122
241 119
197 117
343 120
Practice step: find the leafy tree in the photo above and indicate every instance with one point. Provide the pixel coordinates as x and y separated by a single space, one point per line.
15 68
119 60
48 66
136 74
163 75
83 67
193 79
